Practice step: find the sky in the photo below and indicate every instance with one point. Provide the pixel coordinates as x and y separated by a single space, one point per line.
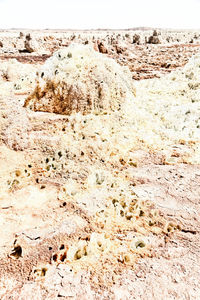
92 14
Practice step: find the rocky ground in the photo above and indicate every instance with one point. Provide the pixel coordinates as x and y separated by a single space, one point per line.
101 206
146 55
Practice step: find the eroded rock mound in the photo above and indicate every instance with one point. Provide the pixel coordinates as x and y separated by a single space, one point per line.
154 39
78 79
29 44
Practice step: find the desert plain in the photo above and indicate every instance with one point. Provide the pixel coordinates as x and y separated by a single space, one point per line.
100 164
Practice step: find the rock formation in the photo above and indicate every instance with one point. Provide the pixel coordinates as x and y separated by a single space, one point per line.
154 39
78 79
29 44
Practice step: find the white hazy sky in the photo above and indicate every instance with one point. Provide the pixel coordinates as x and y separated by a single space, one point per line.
87 14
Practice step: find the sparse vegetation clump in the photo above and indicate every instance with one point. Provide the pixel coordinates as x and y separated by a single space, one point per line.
78 79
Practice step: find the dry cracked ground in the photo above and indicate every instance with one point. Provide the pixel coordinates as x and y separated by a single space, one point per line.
81 216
